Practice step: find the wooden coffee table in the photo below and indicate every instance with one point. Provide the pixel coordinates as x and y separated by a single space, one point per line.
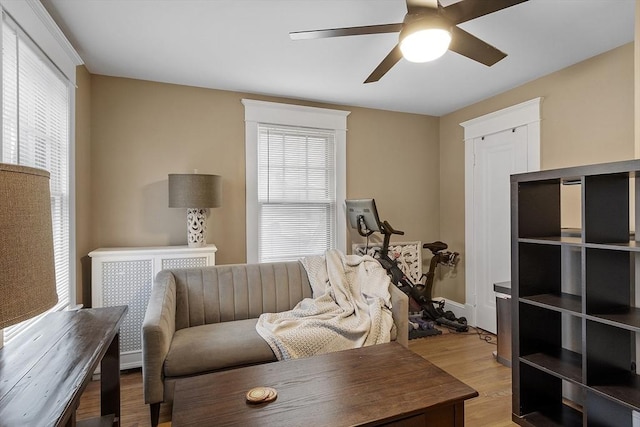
384 384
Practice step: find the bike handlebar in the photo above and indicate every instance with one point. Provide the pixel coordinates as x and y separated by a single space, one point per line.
390 229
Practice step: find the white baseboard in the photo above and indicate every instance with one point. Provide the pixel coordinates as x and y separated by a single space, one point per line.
471 318
130 359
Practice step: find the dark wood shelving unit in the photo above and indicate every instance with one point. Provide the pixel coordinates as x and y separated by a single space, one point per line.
574 339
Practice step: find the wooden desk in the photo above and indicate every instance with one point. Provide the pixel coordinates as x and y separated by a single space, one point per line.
44 371
378 385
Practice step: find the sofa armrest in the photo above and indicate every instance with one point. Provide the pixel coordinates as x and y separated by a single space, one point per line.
158 328
400 313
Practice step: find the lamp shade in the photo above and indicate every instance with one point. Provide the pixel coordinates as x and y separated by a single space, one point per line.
195 191
27 269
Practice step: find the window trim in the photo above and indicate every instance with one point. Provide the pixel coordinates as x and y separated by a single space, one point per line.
257 112
33 20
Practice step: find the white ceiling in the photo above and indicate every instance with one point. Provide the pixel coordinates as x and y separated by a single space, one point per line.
244 45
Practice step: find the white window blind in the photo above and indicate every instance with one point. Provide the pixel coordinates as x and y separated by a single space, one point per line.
35 132
296 180
296 192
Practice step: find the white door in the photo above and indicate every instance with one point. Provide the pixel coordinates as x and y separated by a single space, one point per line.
497 156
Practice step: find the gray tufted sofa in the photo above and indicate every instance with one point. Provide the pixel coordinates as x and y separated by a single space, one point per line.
202 320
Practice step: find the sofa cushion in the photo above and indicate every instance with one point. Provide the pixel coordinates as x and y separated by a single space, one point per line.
216 346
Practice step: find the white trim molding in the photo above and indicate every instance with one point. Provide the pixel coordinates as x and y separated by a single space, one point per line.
524 114
292 115
34 20
517 115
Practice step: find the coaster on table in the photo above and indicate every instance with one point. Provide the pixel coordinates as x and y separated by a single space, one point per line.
261 395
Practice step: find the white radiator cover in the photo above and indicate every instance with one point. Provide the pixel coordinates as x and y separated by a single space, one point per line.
124 276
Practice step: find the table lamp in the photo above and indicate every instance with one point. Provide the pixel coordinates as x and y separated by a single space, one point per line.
197 193
27 278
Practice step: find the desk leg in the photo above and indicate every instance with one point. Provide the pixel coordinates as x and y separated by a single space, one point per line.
459 414
110 381
442 416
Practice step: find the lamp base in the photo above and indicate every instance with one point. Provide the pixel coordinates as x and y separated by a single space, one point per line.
197 227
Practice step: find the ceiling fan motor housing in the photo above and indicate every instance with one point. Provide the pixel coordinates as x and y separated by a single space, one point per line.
422 21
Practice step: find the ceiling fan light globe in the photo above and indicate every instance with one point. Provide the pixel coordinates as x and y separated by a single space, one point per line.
425 45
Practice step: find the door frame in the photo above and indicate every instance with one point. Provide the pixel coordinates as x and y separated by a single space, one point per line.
524 114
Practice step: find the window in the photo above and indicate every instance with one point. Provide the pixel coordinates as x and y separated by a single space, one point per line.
36 131
296 192
296 181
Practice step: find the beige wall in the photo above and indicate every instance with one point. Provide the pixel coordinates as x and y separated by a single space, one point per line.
394 158
141 131
587 117
83 183
413 165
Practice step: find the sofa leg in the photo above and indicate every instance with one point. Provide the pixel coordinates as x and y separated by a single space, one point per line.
155 413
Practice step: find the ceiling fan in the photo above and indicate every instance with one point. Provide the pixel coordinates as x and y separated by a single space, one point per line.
427 32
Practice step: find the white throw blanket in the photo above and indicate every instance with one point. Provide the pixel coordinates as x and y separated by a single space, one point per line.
350 309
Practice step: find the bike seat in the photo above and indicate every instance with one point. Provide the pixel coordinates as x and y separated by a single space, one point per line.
436 246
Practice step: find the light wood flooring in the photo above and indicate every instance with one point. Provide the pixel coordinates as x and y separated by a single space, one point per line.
465 356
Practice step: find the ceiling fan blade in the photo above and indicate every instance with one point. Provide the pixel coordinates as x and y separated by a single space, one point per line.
387 63
416 5
473 48
467 10
349 31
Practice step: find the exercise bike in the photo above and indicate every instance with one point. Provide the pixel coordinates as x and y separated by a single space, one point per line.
363 216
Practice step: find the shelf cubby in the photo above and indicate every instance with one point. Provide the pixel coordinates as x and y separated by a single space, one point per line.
542 401
610 366
606 208
608 281
602 411
547 345
539 209
557 285
625 389
535 280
